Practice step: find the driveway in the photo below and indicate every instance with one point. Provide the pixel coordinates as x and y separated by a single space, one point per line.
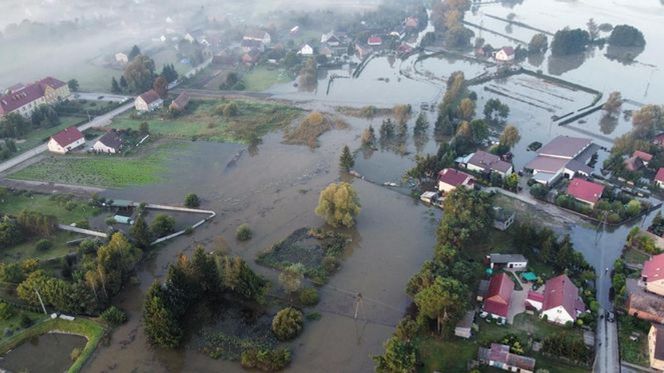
517 302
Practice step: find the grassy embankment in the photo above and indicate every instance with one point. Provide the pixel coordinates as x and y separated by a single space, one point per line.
203 120
87 328
147 167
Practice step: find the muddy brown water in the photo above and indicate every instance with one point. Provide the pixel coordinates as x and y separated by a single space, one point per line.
275 190
47 353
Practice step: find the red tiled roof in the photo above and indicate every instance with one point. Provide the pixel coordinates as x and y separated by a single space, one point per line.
51 82
20 95
642 155
181 101
508 51
537 297
586 191
67 136
375 40
454 177
660 175
150 96
497 300
561 291
501 353
653 269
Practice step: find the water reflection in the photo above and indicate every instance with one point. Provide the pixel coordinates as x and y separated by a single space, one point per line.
536 59
608 124
624 55
563 64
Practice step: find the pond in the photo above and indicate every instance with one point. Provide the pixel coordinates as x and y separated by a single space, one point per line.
47 353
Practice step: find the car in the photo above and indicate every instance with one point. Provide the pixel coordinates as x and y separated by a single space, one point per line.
610 316
484 314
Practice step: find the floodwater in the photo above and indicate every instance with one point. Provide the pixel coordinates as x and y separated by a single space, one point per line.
46 353
274 187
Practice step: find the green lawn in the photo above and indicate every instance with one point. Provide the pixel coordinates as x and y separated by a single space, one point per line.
148 167
261 78
66 213
446 356
635 257
635 352
40 136
202 121
14 323
90 329
28 249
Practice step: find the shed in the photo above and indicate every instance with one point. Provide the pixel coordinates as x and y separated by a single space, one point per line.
464 327
123 219
529 276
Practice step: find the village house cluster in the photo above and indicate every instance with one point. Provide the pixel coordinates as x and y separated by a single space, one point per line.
24 99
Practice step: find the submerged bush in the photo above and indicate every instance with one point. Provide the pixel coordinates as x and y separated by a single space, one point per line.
114 316
266 360
287 323
309 297
243 233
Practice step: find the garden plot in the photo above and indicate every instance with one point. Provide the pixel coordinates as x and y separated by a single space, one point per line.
538 93
318 251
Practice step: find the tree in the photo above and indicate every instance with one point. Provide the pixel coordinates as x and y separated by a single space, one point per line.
593 29
169 73
369 137
421 124
115 87
243 233
115 261
139 74
399 357
161 326
402 113
442 301
135 52
466 109
160 86
162 225
387 130
626 36
613 103
291 278
191 200
144 129
141 233
346 161
633 207
308 75
265 359
480 131
566 42
287 323
338 204
123 83
646 121
73 85
114 316
510 136
539 43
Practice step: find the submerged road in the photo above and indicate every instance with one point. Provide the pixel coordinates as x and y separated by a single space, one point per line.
100 121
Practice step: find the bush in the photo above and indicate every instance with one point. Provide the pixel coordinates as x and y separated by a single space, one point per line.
26 321
114 316
243 233
162 225
287 323
83 224
75 353
313 316
266 360
330 264
6 311
191 200
308 297
44 245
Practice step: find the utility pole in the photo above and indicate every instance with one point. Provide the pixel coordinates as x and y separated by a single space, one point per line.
41 302
358 303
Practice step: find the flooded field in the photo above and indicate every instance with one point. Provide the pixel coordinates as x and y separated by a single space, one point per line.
46 353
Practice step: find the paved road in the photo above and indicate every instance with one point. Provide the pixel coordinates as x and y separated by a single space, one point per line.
607 356
95 96
100 121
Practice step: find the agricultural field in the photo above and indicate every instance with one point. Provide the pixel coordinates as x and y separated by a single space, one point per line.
206 120
261 78
148 167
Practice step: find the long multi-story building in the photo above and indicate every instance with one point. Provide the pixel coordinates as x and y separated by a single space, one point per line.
24 99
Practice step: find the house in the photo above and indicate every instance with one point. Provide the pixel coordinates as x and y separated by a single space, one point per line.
251 57
375 41
652 274
502 219
505 54
561 301
484 162
464 327
330 39
180 102
324 50
656 347
362 51
110 143
644 305
66 140
148 101
512 261
482 290
24 99
497 300
563 156
121 58
250 45
450 179
258 35
585 191
306 50
499 356
411 23
637 160
659 178
534 301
